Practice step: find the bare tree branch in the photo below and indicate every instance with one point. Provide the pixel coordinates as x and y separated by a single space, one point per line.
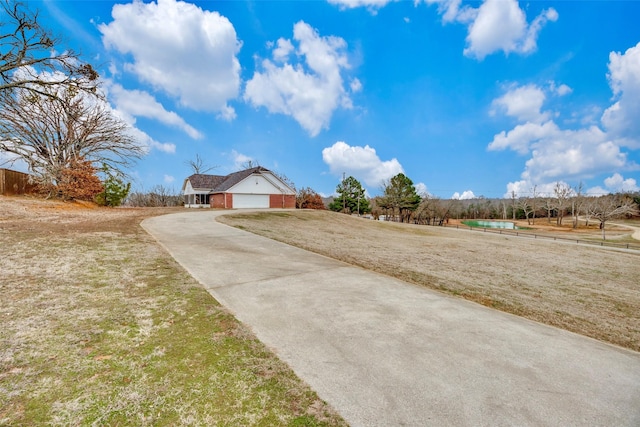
28 52
49 132
198 166
611 206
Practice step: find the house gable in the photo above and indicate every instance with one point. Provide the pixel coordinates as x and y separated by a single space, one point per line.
187 188
255 184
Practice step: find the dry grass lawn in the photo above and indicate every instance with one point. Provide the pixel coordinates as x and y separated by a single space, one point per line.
100 326
582 288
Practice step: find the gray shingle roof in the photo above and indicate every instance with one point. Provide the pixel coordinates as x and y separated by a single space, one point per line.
219 183
201 181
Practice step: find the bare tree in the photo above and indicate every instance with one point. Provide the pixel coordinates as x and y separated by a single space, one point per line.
514 199
284 178
48 133
534 199
577 203
439 210
158 196
249 164
503 207
28 51
161 196
526 206
198 165
610 207
549 205
563 194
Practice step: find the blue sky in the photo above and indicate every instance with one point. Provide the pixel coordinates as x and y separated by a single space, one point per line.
465 98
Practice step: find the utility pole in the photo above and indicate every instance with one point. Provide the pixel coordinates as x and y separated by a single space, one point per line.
344 202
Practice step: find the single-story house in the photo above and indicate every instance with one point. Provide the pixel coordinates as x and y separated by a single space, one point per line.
250 188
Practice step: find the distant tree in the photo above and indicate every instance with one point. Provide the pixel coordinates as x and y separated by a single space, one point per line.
284 178
636 199
549 206
115 189
503 208
249 164
198 166
77 181
577 203
33 59
350 197
433 211
455 208
525 204
563 193
158 196
400 197
514 200
161 196
306 198
612 206
376 209
534 200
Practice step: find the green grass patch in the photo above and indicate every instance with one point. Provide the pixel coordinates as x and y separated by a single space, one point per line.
110 330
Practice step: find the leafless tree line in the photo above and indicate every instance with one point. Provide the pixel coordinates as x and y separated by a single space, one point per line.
158 196
565 202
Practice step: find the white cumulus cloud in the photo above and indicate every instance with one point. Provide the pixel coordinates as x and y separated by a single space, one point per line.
179 49
142 104
523 103
372 5
148 143
622 118
421 189
240 161
450 10
617 183
500 25
466 195
496 25
525 188
572 154
561 90
310 90
362 163
523 136
557 153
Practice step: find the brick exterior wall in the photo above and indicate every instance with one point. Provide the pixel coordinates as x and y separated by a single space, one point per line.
280 201
217 201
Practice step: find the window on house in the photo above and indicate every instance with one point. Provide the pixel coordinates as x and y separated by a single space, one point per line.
201 199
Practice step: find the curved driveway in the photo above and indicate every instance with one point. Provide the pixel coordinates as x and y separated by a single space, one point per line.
387 353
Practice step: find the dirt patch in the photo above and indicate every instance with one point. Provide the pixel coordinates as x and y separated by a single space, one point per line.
585 289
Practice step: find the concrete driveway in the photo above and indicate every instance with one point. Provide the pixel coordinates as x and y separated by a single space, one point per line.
387 353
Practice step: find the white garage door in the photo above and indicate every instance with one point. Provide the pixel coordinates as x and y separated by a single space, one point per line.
241 201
